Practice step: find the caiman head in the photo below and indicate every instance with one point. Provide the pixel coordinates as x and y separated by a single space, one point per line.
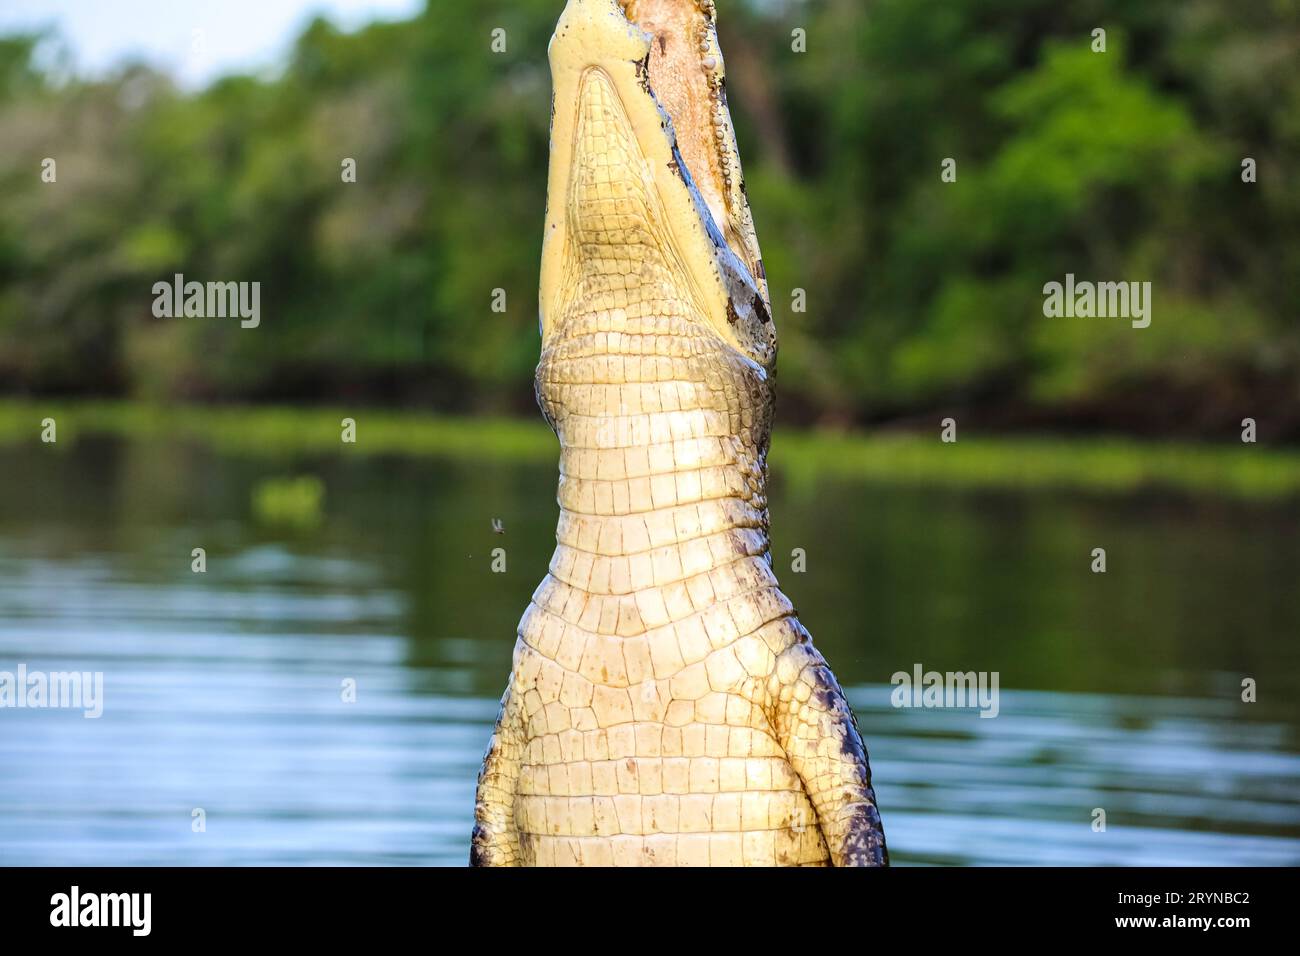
645 187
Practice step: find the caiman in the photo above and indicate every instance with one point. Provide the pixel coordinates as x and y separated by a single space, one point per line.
665 705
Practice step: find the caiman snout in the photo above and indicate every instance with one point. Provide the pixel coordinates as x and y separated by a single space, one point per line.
644 163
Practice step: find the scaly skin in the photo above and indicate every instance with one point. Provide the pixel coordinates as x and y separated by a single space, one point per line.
665 707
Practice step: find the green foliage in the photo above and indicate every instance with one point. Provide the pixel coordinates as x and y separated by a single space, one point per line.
290 502
922 294
296 437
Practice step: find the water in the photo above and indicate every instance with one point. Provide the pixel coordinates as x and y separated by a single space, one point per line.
223 690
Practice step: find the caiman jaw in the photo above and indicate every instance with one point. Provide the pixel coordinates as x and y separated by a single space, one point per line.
649 75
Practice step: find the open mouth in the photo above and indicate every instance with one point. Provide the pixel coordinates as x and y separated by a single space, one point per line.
640 110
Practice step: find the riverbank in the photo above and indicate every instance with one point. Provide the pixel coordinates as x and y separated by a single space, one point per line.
1090 465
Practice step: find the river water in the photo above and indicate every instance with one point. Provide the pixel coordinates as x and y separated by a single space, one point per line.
223 700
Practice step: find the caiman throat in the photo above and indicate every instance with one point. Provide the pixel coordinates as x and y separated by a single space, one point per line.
665 706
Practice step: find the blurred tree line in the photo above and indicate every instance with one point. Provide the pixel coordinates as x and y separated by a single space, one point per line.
921 295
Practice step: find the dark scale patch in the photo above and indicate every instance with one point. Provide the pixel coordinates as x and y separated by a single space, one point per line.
663 43
732 317
864 840
761 309
827 697
541 402
852 750
478 855
762 272
643 73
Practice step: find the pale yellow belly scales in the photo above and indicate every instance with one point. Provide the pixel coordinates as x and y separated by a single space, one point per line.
647 738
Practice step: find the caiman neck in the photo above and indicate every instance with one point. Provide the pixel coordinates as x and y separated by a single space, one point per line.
658 471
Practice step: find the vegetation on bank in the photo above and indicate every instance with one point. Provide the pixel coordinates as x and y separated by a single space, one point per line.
1089 465
922 295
